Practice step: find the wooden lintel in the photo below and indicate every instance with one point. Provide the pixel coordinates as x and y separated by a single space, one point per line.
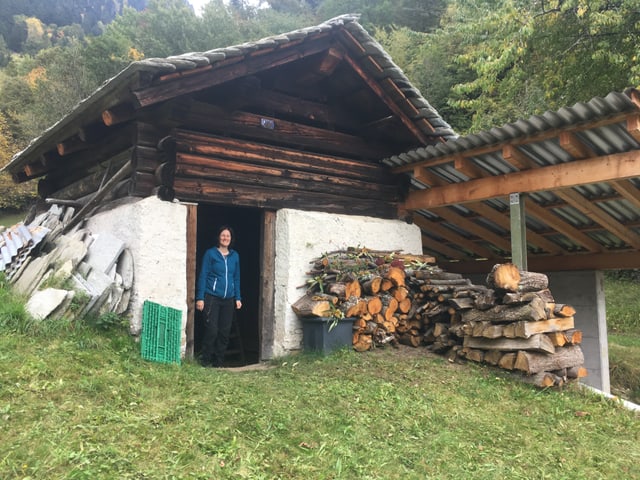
553 177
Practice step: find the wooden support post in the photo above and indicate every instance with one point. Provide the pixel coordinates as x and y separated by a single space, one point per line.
518 231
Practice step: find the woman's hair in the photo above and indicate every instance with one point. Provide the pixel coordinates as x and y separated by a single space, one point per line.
221 229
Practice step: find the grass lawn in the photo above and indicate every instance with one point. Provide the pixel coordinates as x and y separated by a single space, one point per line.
76 403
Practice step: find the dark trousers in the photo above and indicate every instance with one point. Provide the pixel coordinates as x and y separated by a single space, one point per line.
218 316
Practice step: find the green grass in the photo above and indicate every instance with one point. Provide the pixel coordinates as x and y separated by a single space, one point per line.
622 293
8 219
80 403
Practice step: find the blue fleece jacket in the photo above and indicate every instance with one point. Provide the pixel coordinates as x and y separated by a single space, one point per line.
220 275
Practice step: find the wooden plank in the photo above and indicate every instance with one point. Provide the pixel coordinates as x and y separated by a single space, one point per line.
200 166
192 235
527 329
536 343
282 157
266 310
600 169
201 116
222 193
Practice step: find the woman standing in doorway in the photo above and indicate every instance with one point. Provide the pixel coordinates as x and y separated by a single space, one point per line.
217 295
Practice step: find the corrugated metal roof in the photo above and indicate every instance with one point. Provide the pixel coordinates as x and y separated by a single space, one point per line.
600 211
16 242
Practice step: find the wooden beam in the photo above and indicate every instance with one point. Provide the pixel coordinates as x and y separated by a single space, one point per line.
517 158
118 114
472 227
393 106
559 225
556 263
633 126
553 177
192 235
197 115
575 147
628 191
503 221
182 85
440 247
453 237
599 216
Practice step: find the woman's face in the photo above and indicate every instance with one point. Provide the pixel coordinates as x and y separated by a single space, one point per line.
225 238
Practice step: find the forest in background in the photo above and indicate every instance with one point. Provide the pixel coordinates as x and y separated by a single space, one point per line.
480 63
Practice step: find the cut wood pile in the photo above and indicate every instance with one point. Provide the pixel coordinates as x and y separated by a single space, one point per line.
512 322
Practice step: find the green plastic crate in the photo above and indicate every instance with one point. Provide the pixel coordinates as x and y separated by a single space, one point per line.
161 332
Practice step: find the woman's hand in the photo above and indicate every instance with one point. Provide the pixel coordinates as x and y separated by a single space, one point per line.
238 304
200 305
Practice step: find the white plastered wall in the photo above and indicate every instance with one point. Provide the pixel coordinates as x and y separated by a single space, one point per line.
154 231
304 236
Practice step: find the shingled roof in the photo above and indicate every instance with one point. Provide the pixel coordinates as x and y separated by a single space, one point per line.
129 85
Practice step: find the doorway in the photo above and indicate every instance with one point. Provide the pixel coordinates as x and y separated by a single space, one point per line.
244 344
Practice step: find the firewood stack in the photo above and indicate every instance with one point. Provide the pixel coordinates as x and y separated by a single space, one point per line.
513 322
524 330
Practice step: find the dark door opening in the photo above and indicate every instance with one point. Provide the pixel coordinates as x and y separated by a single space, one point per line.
244 344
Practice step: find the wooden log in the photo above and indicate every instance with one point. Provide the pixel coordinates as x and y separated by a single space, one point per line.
508 360
410 340
319 305
363 343
560 310
568 337
492 357
578 371
463 303
337 289
371 285
535 343
532 311
564 357
524 329
374 304
396 275
435 274
400 293
352 289
389 306
543 380
532 282
353 307
474 355
505 276
524 297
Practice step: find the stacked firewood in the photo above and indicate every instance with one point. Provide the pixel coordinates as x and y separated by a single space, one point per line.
524 330
513 322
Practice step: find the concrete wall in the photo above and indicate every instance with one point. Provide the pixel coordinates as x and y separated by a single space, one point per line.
304 236
155 233
584 290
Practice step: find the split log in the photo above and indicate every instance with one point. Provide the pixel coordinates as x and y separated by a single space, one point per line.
353 307
363 343
504 276
463 303
396 275
532 311
527 329
389 306
352 289
536 343
568 337
474 355
543 380
508 360
492 357
524 297
560 310
565 357
319 305
410 340
338 289
577 372
400 293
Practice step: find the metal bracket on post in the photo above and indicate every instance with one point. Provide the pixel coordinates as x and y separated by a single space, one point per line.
518 231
